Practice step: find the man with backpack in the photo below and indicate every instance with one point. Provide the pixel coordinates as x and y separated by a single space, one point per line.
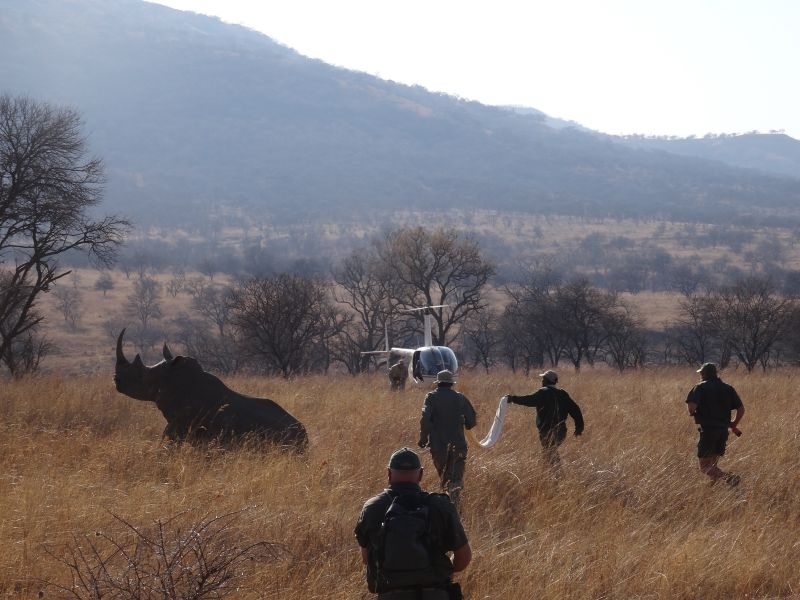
553 405
405 535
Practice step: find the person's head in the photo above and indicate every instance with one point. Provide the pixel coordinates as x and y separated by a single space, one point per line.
445 378
549 377
707 371
404 466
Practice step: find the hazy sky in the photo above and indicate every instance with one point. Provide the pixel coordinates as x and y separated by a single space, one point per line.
665 67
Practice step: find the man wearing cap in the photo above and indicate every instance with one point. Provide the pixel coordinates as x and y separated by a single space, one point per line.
553 405
446 534
710 402
445 414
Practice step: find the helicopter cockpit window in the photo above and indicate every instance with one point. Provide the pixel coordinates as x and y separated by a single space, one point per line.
433 359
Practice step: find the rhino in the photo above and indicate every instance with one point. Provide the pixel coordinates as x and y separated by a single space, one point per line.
199 408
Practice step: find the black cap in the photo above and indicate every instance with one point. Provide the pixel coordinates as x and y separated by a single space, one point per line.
404 459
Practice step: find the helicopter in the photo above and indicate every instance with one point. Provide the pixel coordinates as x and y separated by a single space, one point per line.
424 362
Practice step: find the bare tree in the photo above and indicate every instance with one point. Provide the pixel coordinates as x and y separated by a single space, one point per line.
286 323
791 343
625 341
548 320
177 283
195 285
521 346
209 337
530 327
751 317
215 304
362 285
481 339
143 302
219 353
47 186
692 335
441 267
70 302
581 317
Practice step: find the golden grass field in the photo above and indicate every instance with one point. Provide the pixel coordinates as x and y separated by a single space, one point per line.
630 517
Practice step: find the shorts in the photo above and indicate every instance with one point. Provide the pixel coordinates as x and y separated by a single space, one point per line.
712 442
426 594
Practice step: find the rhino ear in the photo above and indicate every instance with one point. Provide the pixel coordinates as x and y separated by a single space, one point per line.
167 354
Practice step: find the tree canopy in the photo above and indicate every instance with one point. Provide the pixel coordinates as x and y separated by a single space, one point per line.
47 186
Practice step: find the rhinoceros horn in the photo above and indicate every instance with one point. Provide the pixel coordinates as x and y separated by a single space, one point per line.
167 354
121 360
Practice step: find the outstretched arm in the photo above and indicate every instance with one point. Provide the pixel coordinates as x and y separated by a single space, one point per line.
533 400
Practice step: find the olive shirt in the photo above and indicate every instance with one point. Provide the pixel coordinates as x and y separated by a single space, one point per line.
398 371
446 529
715 400
445 414
552 407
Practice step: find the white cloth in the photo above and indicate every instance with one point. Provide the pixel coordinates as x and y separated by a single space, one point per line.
497 426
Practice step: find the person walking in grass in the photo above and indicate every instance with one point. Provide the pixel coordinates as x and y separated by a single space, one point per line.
445 414
398 375
553 406
406 534
710 403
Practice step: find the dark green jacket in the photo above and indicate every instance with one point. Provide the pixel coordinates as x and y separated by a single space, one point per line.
446 529
445 414
552 405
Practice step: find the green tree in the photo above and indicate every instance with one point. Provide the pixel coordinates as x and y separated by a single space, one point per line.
104 283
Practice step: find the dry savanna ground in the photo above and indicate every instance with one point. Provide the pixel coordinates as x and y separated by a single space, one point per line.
630 516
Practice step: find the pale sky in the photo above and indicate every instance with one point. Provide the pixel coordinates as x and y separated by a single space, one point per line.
663 67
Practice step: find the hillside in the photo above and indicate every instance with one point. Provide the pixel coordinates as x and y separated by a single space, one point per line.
771 153
198 121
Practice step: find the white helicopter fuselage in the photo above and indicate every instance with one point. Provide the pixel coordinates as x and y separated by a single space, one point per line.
424 362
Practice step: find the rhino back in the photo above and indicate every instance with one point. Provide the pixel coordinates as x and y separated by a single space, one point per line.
257 413
197 400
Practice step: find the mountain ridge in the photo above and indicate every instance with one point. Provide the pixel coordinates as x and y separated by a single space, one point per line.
195 117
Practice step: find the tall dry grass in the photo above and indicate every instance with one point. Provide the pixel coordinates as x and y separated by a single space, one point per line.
630 516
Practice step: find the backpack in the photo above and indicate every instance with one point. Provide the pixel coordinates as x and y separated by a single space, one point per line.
405 544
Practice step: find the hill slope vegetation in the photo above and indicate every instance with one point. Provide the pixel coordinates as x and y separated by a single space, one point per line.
197 118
